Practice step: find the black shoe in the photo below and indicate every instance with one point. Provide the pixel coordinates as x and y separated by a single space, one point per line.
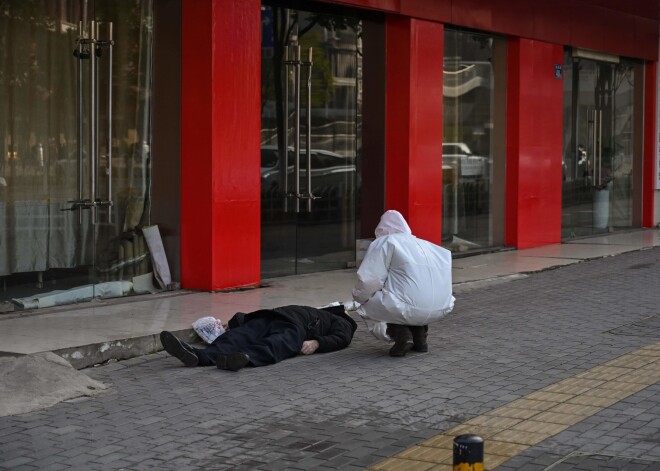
403 340
419 334
401 348
232 362
178 349
422 348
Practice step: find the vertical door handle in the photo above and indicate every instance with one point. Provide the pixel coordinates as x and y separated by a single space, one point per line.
110 43
93 118
296 124
296 63
308 143
85 49
79 85
89 47
284 158
600 146
596 149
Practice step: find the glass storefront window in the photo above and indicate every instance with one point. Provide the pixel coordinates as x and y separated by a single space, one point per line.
75 146
311 99
467 149
599 142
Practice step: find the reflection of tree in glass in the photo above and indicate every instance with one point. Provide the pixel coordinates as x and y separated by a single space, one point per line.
37 69
322 85
291 27
29 42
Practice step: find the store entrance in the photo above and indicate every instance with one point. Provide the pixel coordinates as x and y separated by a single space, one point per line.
598 145
75 135
310 96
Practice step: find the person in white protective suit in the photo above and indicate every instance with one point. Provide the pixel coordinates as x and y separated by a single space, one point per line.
404 283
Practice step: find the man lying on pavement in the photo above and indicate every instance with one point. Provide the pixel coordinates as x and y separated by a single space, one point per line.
268 336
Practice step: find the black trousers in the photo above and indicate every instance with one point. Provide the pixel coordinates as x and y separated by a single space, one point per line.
265 341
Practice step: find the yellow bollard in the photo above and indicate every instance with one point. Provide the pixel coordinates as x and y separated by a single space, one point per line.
468 453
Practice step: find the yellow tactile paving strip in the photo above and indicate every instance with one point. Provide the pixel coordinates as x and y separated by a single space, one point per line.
514 427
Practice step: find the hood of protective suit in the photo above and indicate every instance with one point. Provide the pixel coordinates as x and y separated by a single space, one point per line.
392 222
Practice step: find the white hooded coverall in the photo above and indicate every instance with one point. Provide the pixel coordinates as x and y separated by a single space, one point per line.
402 279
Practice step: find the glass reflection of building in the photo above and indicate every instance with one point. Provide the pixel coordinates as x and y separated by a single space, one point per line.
311 92
467 155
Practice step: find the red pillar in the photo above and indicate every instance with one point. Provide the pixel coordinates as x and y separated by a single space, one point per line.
534 144
413 170
220 156
648 178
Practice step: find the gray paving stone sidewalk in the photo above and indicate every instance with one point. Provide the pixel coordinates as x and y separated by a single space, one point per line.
350 409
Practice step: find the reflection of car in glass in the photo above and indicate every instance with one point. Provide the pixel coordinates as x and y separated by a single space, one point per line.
459 156
330 171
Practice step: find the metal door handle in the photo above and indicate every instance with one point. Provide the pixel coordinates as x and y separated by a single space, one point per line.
309 196
600 146
594 143
99 45
296 63
593 115
597 147
109 44
296 124
89 48
81 52
284 171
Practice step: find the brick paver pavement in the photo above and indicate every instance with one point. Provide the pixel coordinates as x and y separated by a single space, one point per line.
354 408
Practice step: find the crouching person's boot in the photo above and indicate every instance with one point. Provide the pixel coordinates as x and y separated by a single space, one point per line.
403 339
419 334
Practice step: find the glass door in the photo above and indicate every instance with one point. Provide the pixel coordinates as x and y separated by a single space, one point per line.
469 156
74 131
598 146
309 137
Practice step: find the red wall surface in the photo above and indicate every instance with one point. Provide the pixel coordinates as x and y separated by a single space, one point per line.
413 123
625 27
220 128
534 144
220 160
648 172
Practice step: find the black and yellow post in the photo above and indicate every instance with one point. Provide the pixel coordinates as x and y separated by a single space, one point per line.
468 453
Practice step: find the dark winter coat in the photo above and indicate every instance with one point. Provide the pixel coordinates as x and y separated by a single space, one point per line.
331 327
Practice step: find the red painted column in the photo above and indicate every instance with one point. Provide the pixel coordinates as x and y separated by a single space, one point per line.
648 178
534 144
220 156
413 123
